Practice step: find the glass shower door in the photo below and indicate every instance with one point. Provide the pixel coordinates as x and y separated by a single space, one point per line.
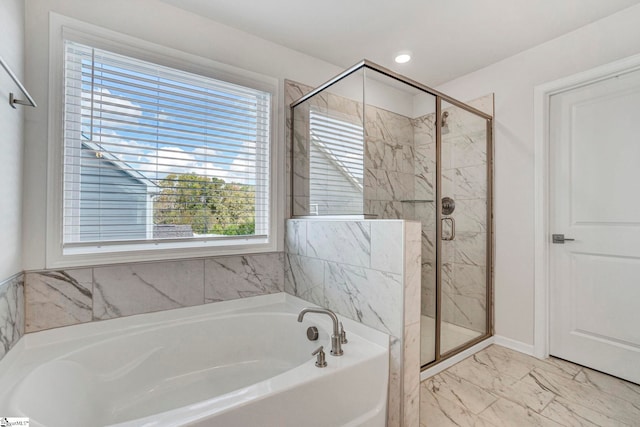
464 228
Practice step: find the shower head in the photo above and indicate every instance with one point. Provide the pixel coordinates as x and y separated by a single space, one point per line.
444 127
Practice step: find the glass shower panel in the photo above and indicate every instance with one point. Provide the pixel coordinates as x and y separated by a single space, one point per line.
424 210
390 147
328 151
464 168
400 175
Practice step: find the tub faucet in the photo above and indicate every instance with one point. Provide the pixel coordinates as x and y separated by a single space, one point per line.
336 345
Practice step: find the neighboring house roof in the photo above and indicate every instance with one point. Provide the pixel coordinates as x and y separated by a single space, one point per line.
123 166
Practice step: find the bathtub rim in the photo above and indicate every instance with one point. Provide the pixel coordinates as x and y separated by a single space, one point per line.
99 330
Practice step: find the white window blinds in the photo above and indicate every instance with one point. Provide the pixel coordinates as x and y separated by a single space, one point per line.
336 165
154 154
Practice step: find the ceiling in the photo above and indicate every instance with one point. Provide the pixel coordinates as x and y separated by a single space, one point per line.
448 38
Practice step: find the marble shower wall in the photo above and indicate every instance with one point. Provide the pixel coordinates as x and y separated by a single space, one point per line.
11 312
57 298
367 270
389 165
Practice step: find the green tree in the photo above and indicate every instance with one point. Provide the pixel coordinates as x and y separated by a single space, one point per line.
209 205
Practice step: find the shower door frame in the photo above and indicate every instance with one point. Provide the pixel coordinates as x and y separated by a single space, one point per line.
489 331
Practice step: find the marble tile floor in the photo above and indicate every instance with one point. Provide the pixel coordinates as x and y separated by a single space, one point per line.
502 387
452 336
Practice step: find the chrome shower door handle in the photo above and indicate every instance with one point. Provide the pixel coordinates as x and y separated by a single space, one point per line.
452 223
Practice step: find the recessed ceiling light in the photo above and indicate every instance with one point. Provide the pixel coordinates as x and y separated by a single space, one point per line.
403 57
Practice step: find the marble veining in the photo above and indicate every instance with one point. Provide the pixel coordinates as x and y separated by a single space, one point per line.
374 152
304 278
55 298
352 247
369 296
465 183
424 129
296 237
234 277
388 126
411 379
412 272
501 387
386 246
58 298
394 186
394 404
143 288
11 312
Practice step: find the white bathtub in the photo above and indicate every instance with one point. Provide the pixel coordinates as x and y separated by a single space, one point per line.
237 363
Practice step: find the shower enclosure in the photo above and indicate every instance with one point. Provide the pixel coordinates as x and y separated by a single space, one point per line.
373 144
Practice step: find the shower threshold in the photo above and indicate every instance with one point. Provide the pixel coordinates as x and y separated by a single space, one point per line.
453 336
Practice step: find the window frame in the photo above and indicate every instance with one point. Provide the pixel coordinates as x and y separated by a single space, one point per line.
63 28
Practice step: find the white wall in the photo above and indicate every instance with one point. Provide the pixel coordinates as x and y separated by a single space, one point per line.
513 81
156 22
11 139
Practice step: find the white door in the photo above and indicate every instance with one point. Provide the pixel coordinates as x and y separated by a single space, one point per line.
595 199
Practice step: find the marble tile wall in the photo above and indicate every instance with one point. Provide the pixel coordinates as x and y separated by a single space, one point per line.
389 164
11 312
368 271
57 298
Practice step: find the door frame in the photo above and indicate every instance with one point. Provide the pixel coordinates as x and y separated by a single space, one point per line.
542 205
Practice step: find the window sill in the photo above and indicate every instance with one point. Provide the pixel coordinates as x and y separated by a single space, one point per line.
122 254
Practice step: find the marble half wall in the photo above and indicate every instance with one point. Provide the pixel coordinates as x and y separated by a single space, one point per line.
369 271
55 298
11 312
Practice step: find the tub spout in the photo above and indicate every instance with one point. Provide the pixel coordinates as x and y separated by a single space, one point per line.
336 346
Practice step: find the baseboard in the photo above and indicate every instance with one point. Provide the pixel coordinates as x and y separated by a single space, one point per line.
455 359
514 345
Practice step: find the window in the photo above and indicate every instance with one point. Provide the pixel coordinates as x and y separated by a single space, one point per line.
159 156
336 164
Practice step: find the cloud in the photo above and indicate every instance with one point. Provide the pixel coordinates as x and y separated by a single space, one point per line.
156 163
112 105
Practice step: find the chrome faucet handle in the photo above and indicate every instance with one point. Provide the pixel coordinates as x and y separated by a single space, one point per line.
320 361
343 335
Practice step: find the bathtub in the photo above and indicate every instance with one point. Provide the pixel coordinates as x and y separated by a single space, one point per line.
236 363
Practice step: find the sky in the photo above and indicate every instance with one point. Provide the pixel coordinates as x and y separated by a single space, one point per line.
160 121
